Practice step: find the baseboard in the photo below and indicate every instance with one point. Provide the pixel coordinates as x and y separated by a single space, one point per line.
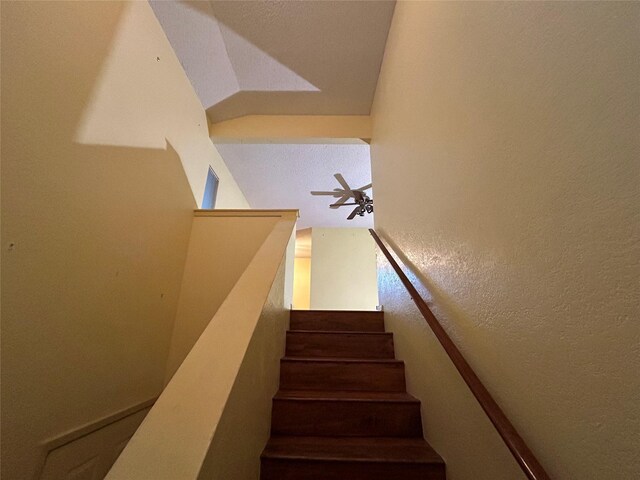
89 429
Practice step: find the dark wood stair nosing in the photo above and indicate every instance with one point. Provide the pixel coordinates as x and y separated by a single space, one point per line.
342 360
338 313
344 396
308 458
339 332
428 454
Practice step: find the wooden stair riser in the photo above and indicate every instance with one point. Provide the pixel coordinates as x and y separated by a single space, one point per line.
286 469
337 321
340 345
364 376
346 418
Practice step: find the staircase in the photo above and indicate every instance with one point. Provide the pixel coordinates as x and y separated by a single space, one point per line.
342 411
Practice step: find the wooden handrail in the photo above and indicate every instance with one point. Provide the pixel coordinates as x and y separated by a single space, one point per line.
519 449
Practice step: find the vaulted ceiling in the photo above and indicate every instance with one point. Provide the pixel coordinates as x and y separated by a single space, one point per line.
298 57
279 57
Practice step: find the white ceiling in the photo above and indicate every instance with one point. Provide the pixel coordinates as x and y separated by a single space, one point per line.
282 175
279 57
285 57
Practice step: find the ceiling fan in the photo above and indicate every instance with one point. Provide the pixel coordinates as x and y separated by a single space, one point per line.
363 203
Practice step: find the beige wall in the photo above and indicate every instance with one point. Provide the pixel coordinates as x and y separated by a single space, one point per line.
289 268
343 269
99 214
302 283
302 270
513 129
293 129
213 414
220 248
245 424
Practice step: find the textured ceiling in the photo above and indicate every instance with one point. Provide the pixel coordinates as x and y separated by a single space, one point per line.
282 175
279 57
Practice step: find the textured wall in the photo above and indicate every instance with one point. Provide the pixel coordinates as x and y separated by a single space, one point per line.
510 130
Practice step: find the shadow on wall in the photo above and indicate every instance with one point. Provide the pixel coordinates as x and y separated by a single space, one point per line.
144 113
99 233
141 97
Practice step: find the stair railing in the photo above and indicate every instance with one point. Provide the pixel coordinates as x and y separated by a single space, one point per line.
519 449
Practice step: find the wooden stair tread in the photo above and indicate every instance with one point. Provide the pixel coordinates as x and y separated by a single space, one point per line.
384 361
328 320
329 373
340 344
352 449
336 395
346 414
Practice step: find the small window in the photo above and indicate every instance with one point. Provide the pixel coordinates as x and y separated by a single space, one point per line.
210 191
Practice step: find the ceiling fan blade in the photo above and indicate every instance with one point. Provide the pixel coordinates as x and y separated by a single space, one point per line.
335 205
358 196
340 202
353 214
333 194
366 187
342 181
